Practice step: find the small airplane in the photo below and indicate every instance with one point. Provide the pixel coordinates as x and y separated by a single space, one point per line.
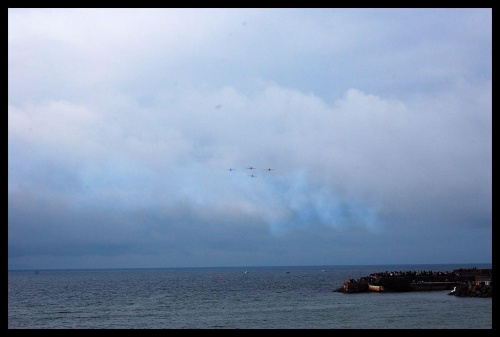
252 176
269 169
251 168
232 169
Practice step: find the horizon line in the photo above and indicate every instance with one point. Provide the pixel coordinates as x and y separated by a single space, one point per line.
263 266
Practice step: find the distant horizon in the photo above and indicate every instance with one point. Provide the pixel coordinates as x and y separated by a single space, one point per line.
270 266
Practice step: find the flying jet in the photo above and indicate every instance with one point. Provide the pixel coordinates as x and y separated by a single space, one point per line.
252 176
251 168
232 169
269 169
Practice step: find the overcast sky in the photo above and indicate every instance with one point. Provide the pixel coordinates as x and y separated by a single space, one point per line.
123 125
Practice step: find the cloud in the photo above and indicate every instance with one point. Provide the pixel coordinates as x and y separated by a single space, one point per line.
357 163
123 125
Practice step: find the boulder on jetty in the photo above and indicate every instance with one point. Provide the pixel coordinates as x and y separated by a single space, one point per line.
472 290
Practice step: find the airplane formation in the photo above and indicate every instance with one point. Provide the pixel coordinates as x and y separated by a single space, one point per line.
253 168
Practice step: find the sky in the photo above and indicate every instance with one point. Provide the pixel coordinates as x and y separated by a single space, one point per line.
123 125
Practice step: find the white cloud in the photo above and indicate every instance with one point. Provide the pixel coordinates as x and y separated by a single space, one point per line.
363 148
148 109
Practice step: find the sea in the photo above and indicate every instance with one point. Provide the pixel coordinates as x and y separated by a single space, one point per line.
298 297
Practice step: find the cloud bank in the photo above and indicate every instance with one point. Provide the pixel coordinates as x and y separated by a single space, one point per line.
123 125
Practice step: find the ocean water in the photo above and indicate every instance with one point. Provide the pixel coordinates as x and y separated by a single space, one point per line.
231 298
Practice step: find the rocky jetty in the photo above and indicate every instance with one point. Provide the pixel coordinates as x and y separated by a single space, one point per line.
402 281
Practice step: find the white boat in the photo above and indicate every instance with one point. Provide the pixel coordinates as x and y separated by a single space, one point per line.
373 287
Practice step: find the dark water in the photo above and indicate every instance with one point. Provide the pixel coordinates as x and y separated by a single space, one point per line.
226 298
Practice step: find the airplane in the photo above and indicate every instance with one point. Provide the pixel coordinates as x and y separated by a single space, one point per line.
269 169
250 168
232 169
252 176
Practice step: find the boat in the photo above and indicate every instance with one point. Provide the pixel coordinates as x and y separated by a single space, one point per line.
374 287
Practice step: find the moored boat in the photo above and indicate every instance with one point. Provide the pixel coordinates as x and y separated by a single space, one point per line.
374 287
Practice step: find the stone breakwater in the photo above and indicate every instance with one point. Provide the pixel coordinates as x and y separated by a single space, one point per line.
472 290
476 281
